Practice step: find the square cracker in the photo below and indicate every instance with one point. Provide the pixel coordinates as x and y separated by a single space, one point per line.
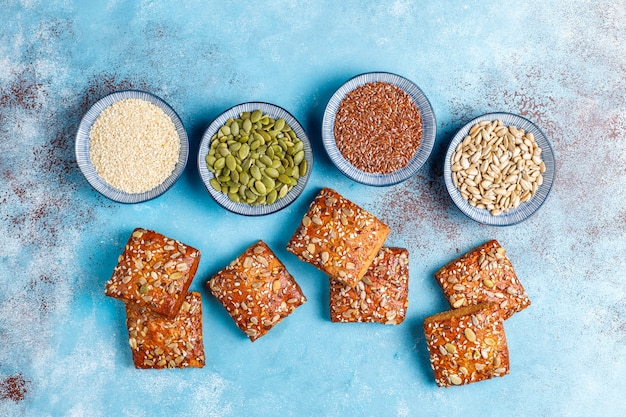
482 275
154 271
257 290
381 296
467 344
160 342
338 237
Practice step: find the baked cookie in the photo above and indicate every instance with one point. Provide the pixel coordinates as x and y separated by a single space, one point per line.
381 296
484 274
160 342
154 271
467 344
338 237
256 290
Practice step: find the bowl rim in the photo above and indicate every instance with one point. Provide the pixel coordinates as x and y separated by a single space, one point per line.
524 210
429 129
241 208
82 147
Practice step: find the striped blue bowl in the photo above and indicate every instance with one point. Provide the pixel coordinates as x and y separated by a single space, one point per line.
524 210
89 171
429 130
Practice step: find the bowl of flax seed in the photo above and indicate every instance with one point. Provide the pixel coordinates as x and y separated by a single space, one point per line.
378 128
131 146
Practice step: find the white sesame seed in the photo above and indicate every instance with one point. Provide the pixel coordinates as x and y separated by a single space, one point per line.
133 145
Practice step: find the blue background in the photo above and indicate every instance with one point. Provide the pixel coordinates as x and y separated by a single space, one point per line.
560 64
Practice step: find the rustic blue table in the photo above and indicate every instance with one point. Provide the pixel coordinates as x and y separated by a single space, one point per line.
63 344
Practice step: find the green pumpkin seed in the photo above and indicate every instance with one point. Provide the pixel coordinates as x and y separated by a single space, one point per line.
219 163
255 158
284 179
260 187
266 136
271 197
244 177
269 183
256 116
231 163
210 159
266 160
215 184
255 172
255 144
271 172
283 191
250 194
303 167
298 157
246 125
244 151
234 147
234 128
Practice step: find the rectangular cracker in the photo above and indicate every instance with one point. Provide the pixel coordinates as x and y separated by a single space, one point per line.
338 237
159 342
382 295
482 275
257 290
154 271
467 344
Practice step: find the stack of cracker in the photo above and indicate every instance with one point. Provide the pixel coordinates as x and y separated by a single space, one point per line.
468 343
368 282
164 320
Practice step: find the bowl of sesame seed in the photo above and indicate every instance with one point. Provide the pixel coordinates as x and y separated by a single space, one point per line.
131 146
378 128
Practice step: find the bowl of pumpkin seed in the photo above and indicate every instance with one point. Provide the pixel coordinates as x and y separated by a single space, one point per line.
255 159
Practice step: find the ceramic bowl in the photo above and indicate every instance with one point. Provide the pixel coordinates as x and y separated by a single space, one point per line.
87 168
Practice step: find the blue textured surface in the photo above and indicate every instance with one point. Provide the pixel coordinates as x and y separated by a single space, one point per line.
63 344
